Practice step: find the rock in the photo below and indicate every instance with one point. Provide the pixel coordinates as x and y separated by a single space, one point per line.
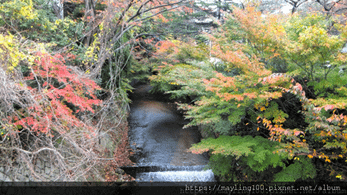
344 49
203 21
139 147
119 171
342 69
216 61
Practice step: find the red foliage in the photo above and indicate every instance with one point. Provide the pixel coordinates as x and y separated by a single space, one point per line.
59 87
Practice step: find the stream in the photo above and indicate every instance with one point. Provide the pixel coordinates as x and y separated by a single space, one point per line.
160 143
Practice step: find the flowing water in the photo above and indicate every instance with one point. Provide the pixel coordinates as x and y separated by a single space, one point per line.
160 143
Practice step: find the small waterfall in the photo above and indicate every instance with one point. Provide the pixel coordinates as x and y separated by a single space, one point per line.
176 176
171 173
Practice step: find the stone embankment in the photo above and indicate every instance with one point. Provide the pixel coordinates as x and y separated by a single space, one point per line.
42 169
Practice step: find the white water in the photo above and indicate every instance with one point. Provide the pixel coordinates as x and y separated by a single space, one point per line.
177 176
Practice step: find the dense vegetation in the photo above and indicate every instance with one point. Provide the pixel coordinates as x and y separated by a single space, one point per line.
268 91
65 73
271 97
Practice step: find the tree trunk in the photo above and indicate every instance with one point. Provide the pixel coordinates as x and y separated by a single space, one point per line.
89 13
58 8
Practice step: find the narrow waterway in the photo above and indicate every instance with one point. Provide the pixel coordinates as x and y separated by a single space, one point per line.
160 143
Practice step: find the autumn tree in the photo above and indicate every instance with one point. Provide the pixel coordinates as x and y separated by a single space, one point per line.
48 106
50 91
262 125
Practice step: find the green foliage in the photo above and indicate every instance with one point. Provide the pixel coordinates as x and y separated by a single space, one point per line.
298 24
220 114
222 167
273 112
311 46
236 158
179 23
39 24
16 12
189 52
334 87
115 72
254 153
138 71
277 64
233 26
65 31
233 145
182 80
303 168
223 127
